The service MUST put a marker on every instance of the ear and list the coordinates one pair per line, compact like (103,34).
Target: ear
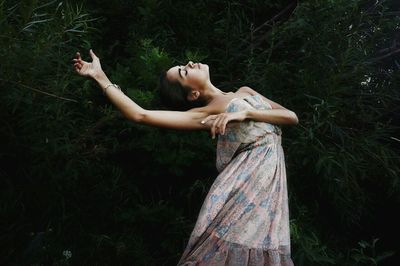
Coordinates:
(193,95)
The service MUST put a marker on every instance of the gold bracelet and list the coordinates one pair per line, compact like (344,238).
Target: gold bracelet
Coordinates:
(115,85)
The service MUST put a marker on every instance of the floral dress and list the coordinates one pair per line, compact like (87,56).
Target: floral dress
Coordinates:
(244,219)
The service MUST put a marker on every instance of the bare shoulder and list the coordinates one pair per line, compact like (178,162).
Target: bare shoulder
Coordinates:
(247,90)
(252,92)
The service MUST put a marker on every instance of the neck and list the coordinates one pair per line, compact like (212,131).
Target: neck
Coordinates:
(210,92)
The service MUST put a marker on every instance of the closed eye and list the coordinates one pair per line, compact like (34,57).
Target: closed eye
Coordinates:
(180,70)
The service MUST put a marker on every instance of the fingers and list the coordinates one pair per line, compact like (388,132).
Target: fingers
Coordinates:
(77,67)
(214,128)
(93,55)
(222,125)
(208,118)
(78,58)
(78,63)
(218,125)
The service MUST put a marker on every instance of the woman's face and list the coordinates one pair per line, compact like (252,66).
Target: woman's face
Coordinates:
(193,75)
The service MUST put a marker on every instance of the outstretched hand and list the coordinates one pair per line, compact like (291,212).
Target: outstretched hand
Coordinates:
(221,120)
(87,69)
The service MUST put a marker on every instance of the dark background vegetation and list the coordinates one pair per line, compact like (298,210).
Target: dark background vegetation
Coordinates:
(82,185)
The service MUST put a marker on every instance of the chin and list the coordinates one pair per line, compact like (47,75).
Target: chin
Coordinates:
(205,68)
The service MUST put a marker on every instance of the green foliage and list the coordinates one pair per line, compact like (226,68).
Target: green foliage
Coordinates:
(81,185)
(307,245)
(148,62)
(366,253)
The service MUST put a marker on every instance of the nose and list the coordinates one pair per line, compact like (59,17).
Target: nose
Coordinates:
(190,63)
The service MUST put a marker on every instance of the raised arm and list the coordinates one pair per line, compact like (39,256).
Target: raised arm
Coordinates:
(160,118)
(168,119)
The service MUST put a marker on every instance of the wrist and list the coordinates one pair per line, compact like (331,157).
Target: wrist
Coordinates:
(102,80)
(99,76)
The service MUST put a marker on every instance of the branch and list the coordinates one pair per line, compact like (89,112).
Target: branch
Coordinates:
(37,90)
(385,56)
(276,16)
(272,20)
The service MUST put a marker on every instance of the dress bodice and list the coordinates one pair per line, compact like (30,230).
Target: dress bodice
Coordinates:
(239,135)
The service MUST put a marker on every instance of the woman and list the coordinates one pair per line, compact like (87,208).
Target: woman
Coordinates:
(244,219)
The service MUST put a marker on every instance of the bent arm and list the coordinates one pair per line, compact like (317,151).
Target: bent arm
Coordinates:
(160,118)
(273,116)
(277,115)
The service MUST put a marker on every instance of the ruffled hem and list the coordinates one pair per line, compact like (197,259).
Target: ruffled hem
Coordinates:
(217,252)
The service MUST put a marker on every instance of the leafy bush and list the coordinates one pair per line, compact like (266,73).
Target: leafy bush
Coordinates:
(81,185)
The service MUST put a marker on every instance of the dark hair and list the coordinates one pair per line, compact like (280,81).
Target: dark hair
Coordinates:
(174,95)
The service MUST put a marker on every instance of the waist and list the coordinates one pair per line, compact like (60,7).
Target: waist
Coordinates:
(267,139)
